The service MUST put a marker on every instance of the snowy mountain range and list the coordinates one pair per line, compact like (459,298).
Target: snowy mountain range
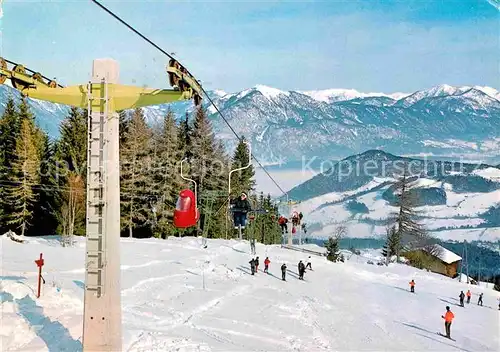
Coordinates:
(331,124)
(456,201)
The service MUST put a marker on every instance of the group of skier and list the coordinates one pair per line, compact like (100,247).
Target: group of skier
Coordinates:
(449,316)
(296,222)
(254,267)
(240,207)
(462,296)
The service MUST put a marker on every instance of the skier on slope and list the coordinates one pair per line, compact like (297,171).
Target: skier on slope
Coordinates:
(480,299)
(266,265)
(448,317)
(283,271)
(252,246)
(252,266)
(461,296)
(469,294)
(256,264)
(308,265)
(412,286)
(302,269)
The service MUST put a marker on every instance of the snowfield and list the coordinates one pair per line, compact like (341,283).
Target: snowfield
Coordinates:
(350,306)
(461,210)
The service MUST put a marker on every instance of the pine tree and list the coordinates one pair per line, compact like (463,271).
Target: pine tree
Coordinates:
(24,175)
(165,175)
(3,184)
(332,249)
(72,208)
(72,145)
(185,141)
(9,132)
(10,126)
(392,244)
(408,228)
(209,167)
(45,212)
(136,182)
(71,165)
(242,181)
(333,244)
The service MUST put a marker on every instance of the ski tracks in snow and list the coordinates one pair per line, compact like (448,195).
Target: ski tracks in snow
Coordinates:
(187,318)
(303,311)
(158,342)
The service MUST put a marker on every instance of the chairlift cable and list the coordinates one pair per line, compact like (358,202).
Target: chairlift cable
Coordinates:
(202,89)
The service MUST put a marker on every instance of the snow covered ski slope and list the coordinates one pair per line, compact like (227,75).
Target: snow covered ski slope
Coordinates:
(350,306)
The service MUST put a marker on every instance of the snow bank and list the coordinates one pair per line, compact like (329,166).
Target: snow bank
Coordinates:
(491,173)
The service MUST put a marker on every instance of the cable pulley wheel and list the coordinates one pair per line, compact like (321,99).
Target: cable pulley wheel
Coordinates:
(19,85)
(38,77)
(3,66)
(52,84)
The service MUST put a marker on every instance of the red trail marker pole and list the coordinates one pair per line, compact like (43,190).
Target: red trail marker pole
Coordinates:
(39,263)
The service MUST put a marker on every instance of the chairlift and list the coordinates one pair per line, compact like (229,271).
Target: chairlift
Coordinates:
(229,184)
(186,212)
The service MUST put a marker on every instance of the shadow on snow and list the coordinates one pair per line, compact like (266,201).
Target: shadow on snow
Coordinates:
(53,333)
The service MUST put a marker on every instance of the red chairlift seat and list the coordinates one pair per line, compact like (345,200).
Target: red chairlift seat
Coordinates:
(186,213)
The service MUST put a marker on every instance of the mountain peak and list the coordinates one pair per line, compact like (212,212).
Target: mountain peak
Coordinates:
(266,91)
(269,92)
(373,154)
(337,94)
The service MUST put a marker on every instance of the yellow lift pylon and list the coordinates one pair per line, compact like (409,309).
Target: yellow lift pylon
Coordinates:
(122,97)
(103,96)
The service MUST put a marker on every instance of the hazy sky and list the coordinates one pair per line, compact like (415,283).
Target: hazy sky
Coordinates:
(367,45)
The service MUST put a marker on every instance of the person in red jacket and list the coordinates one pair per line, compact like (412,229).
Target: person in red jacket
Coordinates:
(282,221)
(266,265)
(412,286)
(448,317)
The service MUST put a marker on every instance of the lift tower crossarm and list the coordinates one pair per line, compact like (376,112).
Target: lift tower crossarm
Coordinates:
(122,97)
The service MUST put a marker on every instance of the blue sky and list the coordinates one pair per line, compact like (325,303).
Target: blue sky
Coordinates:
(367,45)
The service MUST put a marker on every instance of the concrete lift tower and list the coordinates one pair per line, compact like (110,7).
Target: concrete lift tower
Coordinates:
(103,97)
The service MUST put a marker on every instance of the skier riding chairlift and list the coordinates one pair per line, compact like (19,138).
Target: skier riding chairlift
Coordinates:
(241,206)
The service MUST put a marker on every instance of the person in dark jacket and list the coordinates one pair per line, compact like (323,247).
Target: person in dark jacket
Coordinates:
(256,264)
(283,272)
(461,296)
(480,299)
(241,206)
(252,266)
(302,269)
